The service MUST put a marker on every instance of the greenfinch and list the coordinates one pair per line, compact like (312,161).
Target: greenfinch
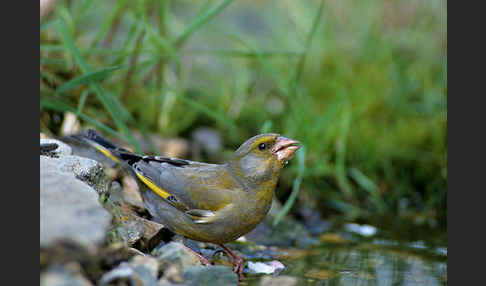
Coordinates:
(214,203)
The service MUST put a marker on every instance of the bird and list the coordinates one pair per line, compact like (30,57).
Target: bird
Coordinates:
(215,203)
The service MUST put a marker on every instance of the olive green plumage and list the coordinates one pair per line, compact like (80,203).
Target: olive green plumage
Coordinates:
(207,202)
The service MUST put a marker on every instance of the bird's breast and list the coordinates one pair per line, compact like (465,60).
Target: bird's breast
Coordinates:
(251,209)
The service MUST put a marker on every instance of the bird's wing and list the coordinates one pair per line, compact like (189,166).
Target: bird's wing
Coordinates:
(199,189)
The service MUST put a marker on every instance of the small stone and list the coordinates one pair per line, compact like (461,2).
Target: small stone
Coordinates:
(175,253)
(133,274)
(131,193)
(149,262)
(272,267)
(70,124)
(132,227)
(278,281)
(173,274)
(140,228)
(364,230)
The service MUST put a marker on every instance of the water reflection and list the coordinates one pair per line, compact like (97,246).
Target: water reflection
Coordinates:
(380,262)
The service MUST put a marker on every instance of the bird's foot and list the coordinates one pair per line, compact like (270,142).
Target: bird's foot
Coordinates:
(239,266)
(237,261)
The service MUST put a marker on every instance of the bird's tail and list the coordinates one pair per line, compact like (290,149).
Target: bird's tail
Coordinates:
(94,139)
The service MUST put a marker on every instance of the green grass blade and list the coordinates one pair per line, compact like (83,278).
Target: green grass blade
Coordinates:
(341,144)
(69,43)
(47,61)
(101,95)
(368,185)
(108,23)
(48,24)
(82,101)
(300,65)
(87,78)
(200,21)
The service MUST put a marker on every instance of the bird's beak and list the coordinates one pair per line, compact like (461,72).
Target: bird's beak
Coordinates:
(284,148)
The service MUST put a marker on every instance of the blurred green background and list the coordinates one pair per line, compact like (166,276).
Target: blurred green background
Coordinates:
(361,83)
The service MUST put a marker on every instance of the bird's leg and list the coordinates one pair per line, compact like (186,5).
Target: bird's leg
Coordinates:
(203,259)
(237,261)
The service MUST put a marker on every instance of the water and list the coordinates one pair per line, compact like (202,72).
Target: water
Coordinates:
(348,260)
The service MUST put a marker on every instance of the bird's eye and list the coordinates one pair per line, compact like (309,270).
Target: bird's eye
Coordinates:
(262,146)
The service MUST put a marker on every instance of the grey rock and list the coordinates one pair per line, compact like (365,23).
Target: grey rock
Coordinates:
(175,253)
(279,281)
(137,228)
(87,170)
(216,275)
(57,275)
(132,273)
(172,276)
(91,172)
(140,270)
(62,149)
(128,233)
(69,208)
(149,262)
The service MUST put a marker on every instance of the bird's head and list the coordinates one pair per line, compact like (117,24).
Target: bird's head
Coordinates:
(262,157)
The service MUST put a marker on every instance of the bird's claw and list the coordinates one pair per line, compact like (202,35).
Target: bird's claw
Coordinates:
(238,268)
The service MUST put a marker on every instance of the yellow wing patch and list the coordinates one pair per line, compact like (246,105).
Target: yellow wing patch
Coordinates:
(106,153)
(161,192)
